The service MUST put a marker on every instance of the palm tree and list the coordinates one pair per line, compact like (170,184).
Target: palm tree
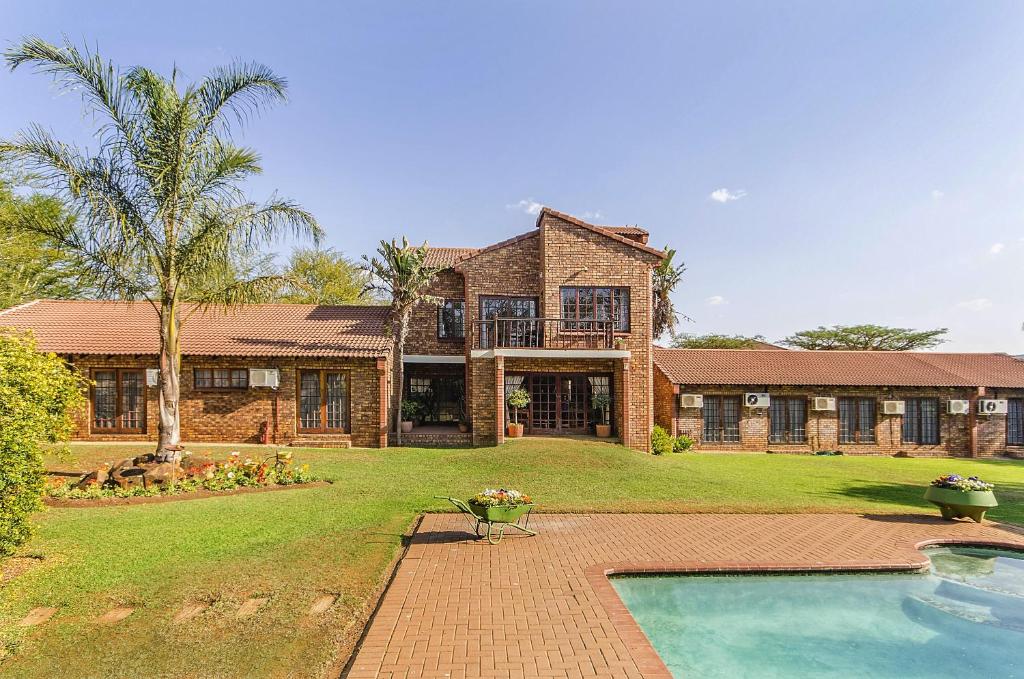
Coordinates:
(159,205)
(402,274)
(665,279)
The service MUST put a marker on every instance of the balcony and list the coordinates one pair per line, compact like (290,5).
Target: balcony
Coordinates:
(543,333)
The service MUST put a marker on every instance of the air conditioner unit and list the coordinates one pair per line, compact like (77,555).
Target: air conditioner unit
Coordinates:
(691,401)
(757,400)
(264,377)
(152,377)
(823,403)
(893,407)
(992,406)
(958,407)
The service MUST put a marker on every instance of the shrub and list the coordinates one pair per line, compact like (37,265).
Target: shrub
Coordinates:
(410,410)
(661,441)
(38,394)
(682,444)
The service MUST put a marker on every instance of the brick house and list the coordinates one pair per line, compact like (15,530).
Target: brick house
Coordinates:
(869,402)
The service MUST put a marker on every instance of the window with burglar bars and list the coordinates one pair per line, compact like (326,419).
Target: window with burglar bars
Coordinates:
(596,304)
(722,419)
(451,319)
(921,421)
(856,420)
(1015,422)
(220,378)
(119,401)
(788,420)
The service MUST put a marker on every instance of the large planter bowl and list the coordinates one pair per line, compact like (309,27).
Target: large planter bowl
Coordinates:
(603,431)
(515,430)
(960,504)
(502,513)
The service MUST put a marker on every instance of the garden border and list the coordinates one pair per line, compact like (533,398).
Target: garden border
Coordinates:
(201,494)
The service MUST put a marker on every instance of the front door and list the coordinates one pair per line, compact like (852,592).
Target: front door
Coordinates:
(559,403)
(573,396)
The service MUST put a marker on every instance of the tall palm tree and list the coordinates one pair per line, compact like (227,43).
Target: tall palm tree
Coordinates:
(664,280)
(401,273)
(159,204)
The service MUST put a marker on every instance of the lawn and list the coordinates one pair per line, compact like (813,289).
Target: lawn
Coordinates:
(294,545)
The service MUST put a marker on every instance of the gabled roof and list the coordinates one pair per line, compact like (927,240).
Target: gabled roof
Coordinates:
(838,368)
(501,244)
(608,231)
(104,327)
(446,258)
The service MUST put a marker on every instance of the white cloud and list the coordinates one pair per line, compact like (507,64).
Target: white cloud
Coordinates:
(596,214)
(527,205)
(996,248)
(724,195)
(936,194)
(979,304)
(716,300)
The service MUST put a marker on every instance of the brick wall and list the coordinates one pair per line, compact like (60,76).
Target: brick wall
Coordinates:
(822,426)
(235,416)
(422,337)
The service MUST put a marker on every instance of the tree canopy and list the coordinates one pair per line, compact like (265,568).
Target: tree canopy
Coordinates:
(865,338)
(325,276)
(716,341)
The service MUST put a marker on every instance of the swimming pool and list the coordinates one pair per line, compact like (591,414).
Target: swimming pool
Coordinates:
(964,618)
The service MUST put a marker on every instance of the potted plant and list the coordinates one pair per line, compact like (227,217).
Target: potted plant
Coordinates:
(516,400)
(500,504)
(958,497)
(463,420)
(600,403)
(619,343)
(410,411)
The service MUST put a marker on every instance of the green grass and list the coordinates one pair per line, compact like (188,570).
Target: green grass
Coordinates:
(294,545)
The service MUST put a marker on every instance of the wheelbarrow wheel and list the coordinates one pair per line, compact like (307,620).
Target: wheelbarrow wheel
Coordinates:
(494,535)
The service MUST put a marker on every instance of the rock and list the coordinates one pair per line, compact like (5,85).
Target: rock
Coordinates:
(129,477)
(142,459)
(322,604)
(162,473)
(127,462)
(115,615)
(37,616)
(98,478)
(189,611)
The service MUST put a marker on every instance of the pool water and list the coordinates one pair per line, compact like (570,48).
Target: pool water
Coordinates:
(965,618)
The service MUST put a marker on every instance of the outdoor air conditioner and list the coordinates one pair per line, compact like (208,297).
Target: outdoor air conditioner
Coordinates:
(691,401)
(893,407)
(757,400)
(264,377)
(959,406)
(152,377)
(992,406)
(823,403)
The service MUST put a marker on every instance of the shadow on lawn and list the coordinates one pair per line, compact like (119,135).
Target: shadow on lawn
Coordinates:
(1009,496)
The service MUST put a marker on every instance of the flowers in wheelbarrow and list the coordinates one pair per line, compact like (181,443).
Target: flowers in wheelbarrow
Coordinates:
(957,482)
(500,497)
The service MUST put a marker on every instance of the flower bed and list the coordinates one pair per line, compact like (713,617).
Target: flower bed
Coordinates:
(961,483)
(233,473)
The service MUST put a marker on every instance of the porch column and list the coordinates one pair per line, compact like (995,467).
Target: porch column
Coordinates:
(499,399)
(624,381)
(383,402)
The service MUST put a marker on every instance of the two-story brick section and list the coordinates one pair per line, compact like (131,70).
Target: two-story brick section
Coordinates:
(562,311)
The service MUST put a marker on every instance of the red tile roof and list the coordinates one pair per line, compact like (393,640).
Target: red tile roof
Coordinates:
(446,258)
(101,327)
(839,368)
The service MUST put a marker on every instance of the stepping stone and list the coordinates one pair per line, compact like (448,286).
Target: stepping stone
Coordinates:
(189,611)
(37,616)
(115,615)
(322,603)
(250,606)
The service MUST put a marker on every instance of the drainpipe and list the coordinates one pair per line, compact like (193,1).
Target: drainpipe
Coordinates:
(972,421)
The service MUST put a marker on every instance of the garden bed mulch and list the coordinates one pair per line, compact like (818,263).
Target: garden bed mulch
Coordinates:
(194,495)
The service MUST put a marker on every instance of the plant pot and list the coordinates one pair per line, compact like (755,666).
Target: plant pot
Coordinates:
(406,426)
(463,427)
(960,504)
(515,430)
(603,430)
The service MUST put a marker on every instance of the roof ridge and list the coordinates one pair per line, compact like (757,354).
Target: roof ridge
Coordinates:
(603,230)
(23,305)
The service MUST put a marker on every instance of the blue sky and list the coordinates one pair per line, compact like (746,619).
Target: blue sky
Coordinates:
(867,157)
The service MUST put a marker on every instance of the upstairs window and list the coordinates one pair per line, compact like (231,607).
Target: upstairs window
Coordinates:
(856,420)
(220,378)
(921,421)
(721,419)
(1015,422)
(451,319)
(596,304)
(788,420)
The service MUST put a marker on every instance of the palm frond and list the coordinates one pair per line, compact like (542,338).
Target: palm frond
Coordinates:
(241,89)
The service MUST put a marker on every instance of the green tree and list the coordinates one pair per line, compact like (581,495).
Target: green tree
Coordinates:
(664,279)
(30,267)
(865,338)
(326,276)
(713,341)
(38,395)
(401,273)
(160,202)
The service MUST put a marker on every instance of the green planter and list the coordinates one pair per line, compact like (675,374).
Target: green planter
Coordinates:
(959,504)
(502,514)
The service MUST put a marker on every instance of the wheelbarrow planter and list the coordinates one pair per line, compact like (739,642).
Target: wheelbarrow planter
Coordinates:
(490,522)
(959,504)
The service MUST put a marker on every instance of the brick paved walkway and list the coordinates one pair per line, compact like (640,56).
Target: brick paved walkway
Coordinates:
(542,606)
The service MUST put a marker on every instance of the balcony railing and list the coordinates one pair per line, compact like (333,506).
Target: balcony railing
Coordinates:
(543,333)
